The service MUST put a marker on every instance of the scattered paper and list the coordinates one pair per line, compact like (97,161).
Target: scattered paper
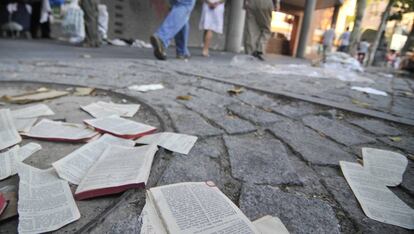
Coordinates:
(104,109)
(180,143)
(184,97)
(32,111)
(369,90)
(8,132)
(83,91)
(24,125)
(10,158)
(35,96)
(385,165)
(60,131)
(270,225)
(45,201)
(151,223)
(75,165)
(369,184)
(145,88)
(120,127)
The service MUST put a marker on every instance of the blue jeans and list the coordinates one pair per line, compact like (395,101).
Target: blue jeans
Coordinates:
(176,25)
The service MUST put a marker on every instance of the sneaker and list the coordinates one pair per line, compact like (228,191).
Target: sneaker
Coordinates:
(159,51)
(181,56)
(258,55)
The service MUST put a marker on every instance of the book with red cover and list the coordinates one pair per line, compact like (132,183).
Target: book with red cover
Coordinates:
(3,203)
(118,169)
(120,127)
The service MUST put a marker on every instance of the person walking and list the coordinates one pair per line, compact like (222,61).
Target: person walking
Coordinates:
(91,14)
(343,47)
(327,41)
(211,20)
(363,48)
(176,26)
(258,19)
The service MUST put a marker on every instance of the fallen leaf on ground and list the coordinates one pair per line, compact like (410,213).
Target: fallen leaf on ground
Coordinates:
(83,91)
(360,104)
(184,97)
(235,91)
(395,139)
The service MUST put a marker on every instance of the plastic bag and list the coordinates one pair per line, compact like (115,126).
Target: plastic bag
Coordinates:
(73,24)
(103,20)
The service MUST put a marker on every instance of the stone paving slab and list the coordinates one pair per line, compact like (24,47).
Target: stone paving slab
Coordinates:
(253,114)
(298,213)
(405,143)
(337,130)
(376,127)
(260,161)
(312,146)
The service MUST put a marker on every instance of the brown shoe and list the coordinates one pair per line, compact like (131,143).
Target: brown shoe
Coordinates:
(159,51)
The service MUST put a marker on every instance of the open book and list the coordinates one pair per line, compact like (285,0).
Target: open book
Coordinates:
(118,169)
(193,207)
(120,127)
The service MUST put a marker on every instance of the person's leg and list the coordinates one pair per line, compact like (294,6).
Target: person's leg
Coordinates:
(90,9)
(181,41)
(263,16)
(45,28)
(251,32)
(175,20)
(35,19)
(208,35)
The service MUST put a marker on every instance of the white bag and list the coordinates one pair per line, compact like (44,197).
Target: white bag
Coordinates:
(73,24)
(103,20)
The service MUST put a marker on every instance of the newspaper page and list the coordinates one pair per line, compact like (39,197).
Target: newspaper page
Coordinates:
(120,126)
(119,166)
(32,111)
(151,223)
(45,201)
(55,130)
(105,109)
(385,165)
(198,208)
(35,96)
(24,125)
(75,165)
(9,159)
(270,225)
(8,132)
(377,201)
(180,143)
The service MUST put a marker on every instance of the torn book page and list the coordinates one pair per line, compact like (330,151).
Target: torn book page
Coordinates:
(35,96)
(145,88)
(377,201)
(75,165)
(24,125)
(45,201)
(180,143)
(60,131)
(120,127)
(8,132)
(385,165)
(10,158)
(270,225)
(369,90)
(105,109)
(151,223)
(32,111)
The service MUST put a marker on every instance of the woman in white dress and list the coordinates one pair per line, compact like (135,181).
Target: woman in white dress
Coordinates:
(211,21)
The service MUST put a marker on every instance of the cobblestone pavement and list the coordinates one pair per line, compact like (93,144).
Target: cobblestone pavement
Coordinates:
(272,155)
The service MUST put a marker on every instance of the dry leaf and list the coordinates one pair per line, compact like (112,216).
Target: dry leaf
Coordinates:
(235,91)
(82,91)
(184,97)
(395,139)
(360,104)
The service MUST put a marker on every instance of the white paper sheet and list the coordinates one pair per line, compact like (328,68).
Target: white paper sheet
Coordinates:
(119,126)
(24,125)
(32,111)
(10,158)
(151,223)
(45,201)
(75,165)
(385,165)
(180,143)
(104,109)
(377,201)
(54,130)
(270,225)
(146,88)
(8,132)
(369,90)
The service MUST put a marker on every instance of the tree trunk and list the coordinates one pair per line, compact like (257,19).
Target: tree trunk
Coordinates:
(380,31)
(410,41)
(356,31)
